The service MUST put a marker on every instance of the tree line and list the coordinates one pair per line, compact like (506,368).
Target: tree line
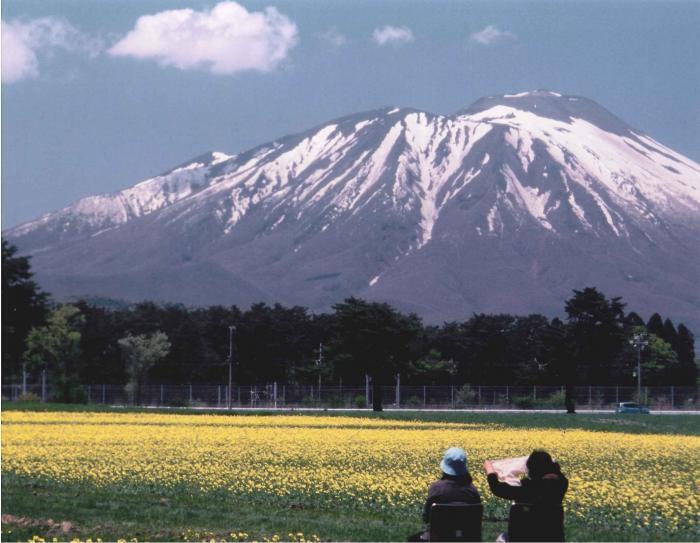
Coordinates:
(84,343)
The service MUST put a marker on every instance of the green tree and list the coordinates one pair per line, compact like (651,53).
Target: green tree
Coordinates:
(55,347)
(275,344)
(24,306)
(488,355)
(534,349)
(660,365)
(142,352)
(102,361)
(656,325)
(596,337)
(632,320)
(375,339)
(431,369)
(685,347)
(670,333)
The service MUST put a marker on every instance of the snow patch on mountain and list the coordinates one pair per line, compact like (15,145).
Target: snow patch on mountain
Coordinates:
(370,173)
(418,163)
(530,199)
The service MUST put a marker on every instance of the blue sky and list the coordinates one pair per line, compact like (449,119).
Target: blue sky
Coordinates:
(92,103)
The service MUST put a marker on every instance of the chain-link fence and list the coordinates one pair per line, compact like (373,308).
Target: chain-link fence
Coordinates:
(275,395)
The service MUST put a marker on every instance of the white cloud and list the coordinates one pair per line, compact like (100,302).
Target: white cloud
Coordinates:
(394,35)
(333,38)
(224,40)
(491,34)
(18,58)
(24,41)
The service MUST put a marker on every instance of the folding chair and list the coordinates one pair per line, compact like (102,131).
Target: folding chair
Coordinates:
(535,522)
(455,522)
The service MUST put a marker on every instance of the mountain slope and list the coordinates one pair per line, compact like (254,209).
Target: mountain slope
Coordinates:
(504,206)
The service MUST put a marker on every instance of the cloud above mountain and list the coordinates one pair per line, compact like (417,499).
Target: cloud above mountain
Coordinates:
(490,35)
(25,42)
(226,39)
(392,35)
(334,38)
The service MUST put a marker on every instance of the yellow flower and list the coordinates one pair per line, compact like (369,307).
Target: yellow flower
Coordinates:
(386,465)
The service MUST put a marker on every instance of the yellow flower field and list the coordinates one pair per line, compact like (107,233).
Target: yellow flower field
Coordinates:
(348,463)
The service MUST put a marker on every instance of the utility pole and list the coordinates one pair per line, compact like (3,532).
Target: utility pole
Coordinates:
(231,329)
(398,390)
(319,365)
(367,389)
(639,341)
(43,385)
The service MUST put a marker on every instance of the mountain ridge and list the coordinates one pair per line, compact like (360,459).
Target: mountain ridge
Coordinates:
(360,204)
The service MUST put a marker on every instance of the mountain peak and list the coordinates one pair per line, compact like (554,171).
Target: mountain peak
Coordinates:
(546,103)
(537,92)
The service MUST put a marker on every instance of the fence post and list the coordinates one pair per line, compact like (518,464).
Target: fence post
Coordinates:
(366,390)
(24,380)
(190,392)
(507,394)
(673,404)
(398,393)
(479,396)
(43,385)
(590,402)
(104,394)
(534,393)
(284,395)
(452,396)
(617,396)
(162,395)
(274,393)
(423,396)
(218,395)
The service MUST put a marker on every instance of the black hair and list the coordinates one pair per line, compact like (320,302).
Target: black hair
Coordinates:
(540,463)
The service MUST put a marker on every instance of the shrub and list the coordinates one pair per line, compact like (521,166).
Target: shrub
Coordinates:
(465,395)
(360,401)
(309,401)
(414,401)
(555,401)
(29,397)
(336,400)
(523,402)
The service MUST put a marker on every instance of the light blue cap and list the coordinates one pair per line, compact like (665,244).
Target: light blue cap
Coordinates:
(454,462)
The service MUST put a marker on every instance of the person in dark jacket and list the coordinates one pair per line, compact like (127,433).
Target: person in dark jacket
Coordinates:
(455,486)
(542,492)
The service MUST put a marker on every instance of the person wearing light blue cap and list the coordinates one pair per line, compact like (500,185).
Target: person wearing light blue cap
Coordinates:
(455,486)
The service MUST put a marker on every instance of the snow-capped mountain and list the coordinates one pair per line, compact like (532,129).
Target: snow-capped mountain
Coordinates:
(504,206)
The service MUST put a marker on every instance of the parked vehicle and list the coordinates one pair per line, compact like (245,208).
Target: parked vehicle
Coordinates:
(631,407)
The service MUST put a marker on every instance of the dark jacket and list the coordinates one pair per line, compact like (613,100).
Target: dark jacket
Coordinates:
(451,489)
(544,521)
(549,489)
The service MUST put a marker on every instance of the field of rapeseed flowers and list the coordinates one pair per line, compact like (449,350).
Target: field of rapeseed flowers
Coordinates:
(619,483)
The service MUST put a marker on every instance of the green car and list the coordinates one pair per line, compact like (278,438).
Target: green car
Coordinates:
(631,407)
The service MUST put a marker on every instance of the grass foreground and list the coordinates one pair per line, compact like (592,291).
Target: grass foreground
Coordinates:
(85,473)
